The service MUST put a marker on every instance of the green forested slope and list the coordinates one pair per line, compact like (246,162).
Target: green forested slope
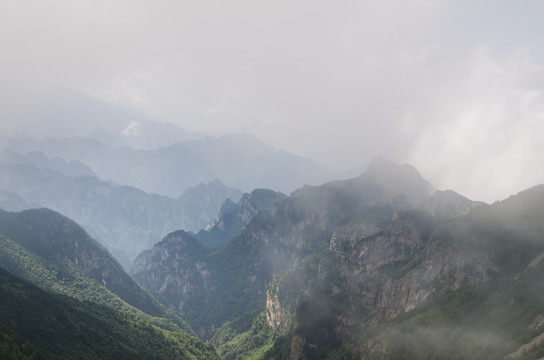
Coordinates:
(67,328)
(55,253)
(87,307)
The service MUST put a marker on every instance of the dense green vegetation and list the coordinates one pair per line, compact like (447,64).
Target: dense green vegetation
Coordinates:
(13,348)
(53,252)
(71,329)
(97,311)
(232,342)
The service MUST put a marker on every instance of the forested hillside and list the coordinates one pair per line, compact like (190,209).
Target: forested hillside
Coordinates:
(60,327)
(87,307)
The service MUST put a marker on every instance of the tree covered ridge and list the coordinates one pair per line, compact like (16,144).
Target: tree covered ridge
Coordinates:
(71,329)
(96,302)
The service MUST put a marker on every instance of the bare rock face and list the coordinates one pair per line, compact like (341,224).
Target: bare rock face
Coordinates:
(344,239)
(164,270)
(275,314)
(441,268)
(387,269)
(395,243)
(400,269)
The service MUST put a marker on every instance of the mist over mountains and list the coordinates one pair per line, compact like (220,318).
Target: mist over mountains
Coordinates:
(125,219)
(129,147)
(238,250)
(351,269)
(239,161)
(64,112)
(271,180)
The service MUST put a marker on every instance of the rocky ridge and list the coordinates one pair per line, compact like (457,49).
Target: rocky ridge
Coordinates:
(234,217)
(331,266)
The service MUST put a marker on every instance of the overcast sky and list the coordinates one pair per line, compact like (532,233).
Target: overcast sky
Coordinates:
(452,87)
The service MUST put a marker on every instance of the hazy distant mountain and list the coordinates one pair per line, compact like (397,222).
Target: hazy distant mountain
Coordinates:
(73,168)
(62,112)
(104,312)
(127,220)
(239,161)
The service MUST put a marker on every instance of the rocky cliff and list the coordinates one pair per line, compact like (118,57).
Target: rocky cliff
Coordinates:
(337,270)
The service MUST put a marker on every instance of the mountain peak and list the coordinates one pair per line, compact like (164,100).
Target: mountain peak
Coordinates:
(380,167)
(383,170)
(397,180)
(183,242)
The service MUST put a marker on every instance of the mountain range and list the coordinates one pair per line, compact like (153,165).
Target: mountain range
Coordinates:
(239,161)
(380,266)
(224,265)
(125,219)
(130,147)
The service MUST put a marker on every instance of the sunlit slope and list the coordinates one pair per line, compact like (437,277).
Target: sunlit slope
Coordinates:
(66,328)
(56,254)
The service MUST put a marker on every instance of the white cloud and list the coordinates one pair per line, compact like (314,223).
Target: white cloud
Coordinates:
(131,129)
(479,128)
(339,81)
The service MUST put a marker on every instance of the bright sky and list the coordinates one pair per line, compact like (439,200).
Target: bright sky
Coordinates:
(452,87)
